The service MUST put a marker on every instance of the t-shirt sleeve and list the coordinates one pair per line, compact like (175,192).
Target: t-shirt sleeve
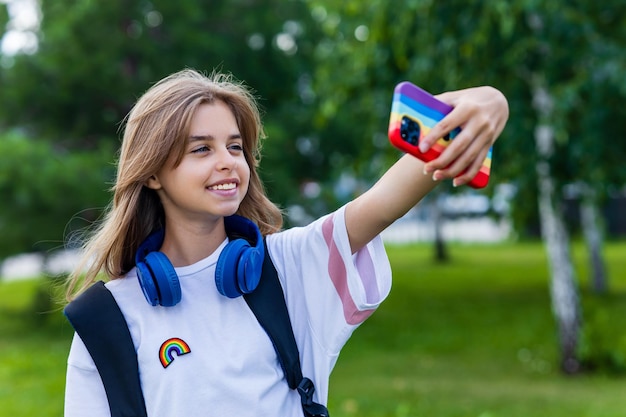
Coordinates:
(84,391)
(328,289)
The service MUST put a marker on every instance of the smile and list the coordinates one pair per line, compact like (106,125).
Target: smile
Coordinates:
(227,186)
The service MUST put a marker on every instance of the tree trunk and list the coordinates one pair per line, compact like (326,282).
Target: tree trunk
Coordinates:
(563,289)
(441,253)
(590,224)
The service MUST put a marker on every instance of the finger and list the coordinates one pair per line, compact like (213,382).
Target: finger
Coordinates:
(453,151)
(471,171)
(479,129)
(459,166)
(467,162)
(479,146)
(446,125)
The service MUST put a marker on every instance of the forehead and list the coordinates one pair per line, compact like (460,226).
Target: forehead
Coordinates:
(212,119)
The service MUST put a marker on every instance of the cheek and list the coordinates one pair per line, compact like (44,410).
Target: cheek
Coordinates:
(244,170)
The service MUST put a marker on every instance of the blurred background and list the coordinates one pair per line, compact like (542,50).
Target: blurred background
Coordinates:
(507,300)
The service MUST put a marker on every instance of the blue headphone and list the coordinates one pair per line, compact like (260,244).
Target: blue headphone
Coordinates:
(238,269)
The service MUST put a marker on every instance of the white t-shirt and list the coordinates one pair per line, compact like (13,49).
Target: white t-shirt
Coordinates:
(208,355)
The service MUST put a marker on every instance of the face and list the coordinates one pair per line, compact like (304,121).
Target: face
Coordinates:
(212,179)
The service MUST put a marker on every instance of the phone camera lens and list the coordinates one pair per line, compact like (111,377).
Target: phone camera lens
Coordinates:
(409,130)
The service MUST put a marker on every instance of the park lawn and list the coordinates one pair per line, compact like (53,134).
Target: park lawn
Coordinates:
(473,337)
(34,343)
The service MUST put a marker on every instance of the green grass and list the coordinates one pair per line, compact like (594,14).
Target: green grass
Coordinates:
(474,337)
(34,343)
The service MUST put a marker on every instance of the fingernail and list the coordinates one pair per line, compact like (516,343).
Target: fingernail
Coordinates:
(454,183)
(423,147)
(436,176)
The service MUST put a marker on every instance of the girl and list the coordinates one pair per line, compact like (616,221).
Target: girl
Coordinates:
(188,161)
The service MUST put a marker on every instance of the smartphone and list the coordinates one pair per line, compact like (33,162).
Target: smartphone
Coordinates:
(413,113)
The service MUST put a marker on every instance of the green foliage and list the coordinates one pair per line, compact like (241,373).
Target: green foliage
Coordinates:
(324,71)
(577,48)
(4,17)
(48,192)
(95,59)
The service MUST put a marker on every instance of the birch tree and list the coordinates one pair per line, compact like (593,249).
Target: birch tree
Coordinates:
(590,222)
(563,287)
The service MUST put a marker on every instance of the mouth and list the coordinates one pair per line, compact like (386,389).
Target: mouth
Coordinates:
(224,186)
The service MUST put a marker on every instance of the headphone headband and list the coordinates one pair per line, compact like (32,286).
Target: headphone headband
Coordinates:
(239,227)
(237,272)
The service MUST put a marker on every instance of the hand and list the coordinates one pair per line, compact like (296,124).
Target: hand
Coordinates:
(481,112)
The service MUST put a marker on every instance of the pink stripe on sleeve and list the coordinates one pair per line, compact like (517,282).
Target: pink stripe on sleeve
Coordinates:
(367,272)
(339,277)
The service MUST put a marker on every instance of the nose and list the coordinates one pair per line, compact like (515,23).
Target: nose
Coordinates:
(226,160)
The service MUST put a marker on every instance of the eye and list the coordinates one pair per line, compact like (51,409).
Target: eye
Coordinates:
(200,149)
(237,147)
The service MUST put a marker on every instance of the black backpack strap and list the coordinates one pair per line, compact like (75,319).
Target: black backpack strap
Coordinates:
(267,302)
(97,319)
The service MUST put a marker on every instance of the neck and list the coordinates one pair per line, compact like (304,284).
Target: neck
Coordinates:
(186,244)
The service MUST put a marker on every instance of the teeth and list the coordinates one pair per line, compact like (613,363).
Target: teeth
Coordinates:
(228,186)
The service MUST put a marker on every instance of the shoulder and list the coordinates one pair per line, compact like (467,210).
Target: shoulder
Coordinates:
(326,236)
(319,255)
(126,289)
(313,235)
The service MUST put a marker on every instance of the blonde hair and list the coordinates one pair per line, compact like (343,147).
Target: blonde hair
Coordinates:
(157,128)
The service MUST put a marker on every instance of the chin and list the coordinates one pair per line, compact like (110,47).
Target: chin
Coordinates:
(229,211)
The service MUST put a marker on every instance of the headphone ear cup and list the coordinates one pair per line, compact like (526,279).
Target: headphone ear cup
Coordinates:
(227,268)
(147,284)
(240,264)
(156,274)
(249,269)
(165,278)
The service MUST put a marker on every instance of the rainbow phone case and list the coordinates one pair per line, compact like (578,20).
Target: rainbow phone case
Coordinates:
(413,113)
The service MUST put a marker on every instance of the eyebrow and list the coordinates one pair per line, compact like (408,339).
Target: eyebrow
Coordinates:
(194,138)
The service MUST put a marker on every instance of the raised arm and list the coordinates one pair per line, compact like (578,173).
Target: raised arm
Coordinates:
(481,112)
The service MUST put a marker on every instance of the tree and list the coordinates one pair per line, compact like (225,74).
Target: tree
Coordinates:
(546,53)
(564,290)
(94,59)
(4,17)
(48,193)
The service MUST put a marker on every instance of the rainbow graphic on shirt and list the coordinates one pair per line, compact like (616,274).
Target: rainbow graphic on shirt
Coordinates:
(171,348)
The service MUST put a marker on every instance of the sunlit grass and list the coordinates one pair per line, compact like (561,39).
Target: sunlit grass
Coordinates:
(472,337)
(34,343)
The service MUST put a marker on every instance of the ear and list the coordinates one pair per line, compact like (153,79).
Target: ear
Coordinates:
(153,183)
